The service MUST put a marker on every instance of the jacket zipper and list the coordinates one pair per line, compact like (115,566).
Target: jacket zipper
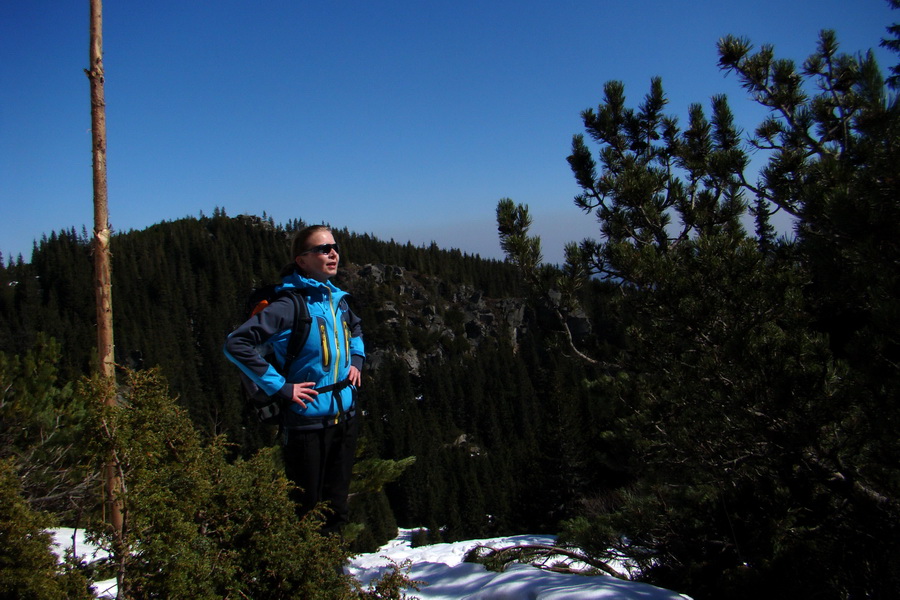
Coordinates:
(337,357)
(346,343)
(337,340)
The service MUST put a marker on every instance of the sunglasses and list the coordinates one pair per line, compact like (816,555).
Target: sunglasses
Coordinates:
(322,249)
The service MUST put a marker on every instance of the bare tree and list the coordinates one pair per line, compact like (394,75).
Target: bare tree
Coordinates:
(102,270)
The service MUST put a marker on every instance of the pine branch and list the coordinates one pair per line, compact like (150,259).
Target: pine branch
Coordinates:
(540,554)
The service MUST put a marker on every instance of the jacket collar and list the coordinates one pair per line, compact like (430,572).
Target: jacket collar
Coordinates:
(298,281)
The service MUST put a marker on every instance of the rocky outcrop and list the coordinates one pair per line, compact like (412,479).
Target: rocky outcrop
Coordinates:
(436,317)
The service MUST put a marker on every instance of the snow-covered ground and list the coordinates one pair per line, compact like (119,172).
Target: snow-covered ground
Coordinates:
(447,577)
(65,538)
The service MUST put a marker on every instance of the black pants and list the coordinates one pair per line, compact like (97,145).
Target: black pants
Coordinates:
(320,463)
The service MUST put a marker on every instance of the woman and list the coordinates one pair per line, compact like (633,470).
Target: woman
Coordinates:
(319,422)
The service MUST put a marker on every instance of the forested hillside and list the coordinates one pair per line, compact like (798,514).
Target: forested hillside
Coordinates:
(457,375)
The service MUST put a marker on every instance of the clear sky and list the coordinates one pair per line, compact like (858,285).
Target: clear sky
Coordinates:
(407,120)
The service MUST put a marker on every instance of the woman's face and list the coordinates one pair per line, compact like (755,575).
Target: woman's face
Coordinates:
(313,263)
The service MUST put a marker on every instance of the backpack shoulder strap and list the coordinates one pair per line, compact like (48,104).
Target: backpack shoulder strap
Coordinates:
(300,330)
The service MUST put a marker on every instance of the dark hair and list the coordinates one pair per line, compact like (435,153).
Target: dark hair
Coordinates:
(299,246)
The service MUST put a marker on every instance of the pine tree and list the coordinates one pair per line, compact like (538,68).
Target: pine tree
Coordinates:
(28,567)
(41,431)
(759,377)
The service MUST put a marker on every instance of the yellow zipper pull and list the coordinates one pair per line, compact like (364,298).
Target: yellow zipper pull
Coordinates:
(326,350)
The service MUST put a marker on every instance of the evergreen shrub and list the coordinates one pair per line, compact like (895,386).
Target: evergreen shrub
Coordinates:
(28,567)
(198,526)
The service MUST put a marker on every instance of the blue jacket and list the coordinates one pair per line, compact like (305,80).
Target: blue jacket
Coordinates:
(334,344)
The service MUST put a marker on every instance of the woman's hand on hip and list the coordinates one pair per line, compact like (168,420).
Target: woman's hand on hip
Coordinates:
(355,376)
(304,392)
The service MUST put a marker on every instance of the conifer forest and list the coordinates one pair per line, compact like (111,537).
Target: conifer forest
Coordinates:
(693,392)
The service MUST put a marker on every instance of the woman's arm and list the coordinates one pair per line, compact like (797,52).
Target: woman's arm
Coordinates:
(242,344)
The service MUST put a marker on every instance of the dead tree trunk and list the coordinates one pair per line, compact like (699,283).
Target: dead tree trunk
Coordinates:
(100,248)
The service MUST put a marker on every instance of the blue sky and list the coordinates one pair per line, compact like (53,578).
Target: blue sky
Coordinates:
(406,120)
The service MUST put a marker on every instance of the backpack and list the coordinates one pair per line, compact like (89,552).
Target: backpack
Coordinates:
(267,408)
